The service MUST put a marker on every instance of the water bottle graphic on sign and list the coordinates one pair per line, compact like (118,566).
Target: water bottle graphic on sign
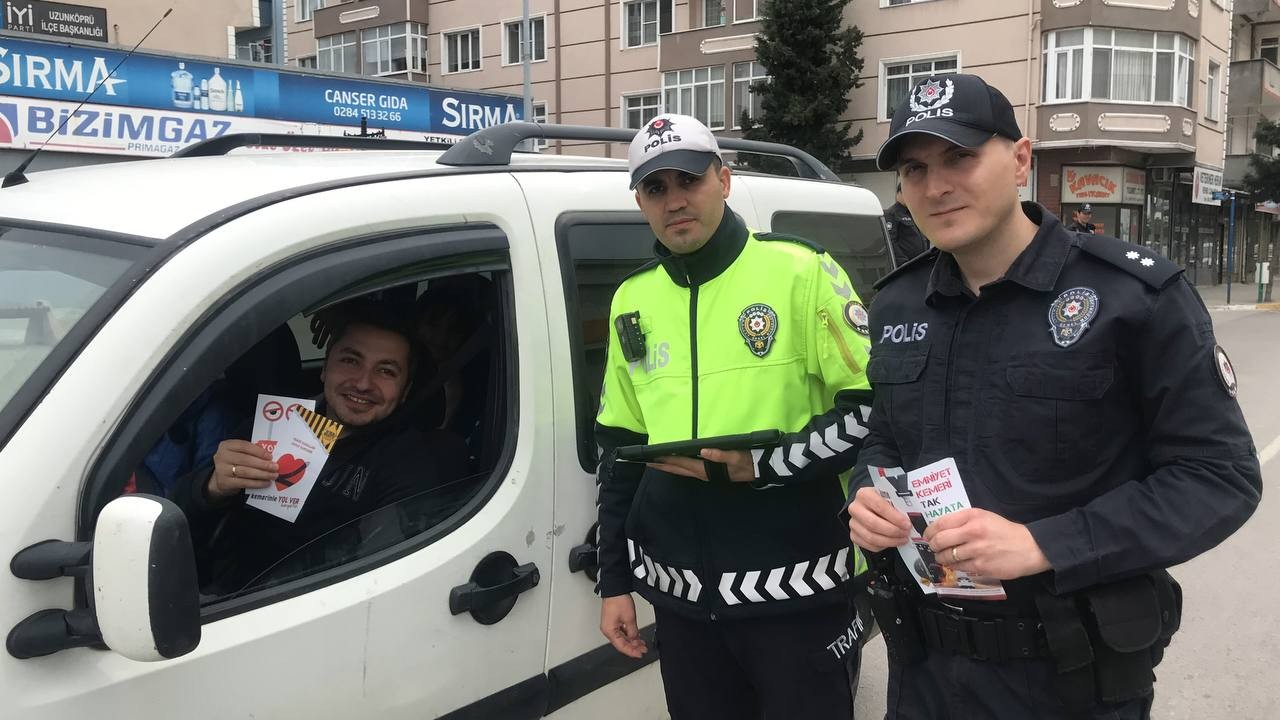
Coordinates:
(217,91)
(181,83)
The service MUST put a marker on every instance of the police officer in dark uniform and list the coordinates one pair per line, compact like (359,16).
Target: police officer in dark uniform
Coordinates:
(1080,218)
(1076,382)
(904,237)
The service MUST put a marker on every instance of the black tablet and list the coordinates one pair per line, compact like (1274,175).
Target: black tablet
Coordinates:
(690,448)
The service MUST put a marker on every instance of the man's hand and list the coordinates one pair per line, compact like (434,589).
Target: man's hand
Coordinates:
(985,544)
(618,624)
(738,463)
(240,465)
(875,524)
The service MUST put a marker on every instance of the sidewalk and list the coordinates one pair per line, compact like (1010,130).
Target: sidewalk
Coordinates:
(1243,297)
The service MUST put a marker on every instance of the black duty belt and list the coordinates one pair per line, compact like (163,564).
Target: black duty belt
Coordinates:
(997,639)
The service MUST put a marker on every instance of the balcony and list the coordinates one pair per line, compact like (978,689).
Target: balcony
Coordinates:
(715,45)
(1255,88)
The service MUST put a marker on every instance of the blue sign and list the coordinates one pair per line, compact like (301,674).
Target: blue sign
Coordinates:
(56,71)
(1221,195)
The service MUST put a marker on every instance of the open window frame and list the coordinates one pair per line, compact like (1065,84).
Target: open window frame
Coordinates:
(305,282)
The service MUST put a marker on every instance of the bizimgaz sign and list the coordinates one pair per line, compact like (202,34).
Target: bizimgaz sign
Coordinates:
(57,19)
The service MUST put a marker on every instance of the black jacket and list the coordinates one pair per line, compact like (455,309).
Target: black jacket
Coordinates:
(1082,227)
(904,236)
(370,467)
(1115,438)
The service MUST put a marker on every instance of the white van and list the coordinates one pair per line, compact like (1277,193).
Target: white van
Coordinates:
(128,291)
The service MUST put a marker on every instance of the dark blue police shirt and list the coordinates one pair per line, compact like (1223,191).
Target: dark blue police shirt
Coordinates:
(1123,451)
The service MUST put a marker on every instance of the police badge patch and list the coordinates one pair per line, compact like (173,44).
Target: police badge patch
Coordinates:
(855,313)
(1071,313)
(758,324)
(1226,373)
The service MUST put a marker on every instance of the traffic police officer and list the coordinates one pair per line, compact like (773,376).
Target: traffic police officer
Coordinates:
(1076,382)
(740,551)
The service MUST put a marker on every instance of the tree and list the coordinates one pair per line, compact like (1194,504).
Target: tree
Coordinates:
(812,62)
(1263,178)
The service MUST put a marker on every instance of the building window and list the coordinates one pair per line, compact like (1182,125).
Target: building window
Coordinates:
(1064,64)
(385,49)
(698,92)
(712,13)
(307,9)
(511,41)
(755,12)
(1212,101)
(643,20)
(462,51)
(1135,66)
(744,74)
(418,55)
(255,51)
(540,116)
(1269,49)
(308,62)
(638,110)
(902,75)
(337,52)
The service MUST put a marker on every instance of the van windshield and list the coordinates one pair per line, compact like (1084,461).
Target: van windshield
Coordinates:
(48,280)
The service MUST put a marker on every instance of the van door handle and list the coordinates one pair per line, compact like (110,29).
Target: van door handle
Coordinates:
(586,557)
(495,585)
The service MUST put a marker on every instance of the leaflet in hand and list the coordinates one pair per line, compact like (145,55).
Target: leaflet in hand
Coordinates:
(924,495)
(281,426)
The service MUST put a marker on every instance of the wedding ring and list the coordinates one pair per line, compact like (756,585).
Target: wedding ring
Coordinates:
(955,558)
(233,474)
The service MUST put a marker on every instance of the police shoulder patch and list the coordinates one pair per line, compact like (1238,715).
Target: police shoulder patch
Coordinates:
(1137,260)
(1226,373)
(856,315)
(772,237)
(925,258)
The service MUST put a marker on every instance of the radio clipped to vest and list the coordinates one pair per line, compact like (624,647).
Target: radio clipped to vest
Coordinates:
(630,336)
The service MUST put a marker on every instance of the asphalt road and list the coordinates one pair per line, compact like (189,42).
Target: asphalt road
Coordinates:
(1222,662)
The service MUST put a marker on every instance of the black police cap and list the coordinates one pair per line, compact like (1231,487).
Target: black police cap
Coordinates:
(962,109)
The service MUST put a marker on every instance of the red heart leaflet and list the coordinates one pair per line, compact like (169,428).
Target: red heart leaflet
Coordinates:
(291,469)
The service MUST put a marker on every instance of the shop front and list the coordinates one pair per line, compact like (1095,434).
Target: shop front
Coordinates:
(154,105)
(1116,193)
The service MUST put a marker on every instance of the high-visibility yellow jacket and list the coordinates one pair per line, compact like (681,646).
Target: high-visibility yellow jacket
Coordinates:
(752,332)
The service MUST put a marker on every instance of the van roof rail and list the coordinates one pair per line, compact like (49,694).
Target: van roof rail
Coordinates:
(224,144)
(493,145)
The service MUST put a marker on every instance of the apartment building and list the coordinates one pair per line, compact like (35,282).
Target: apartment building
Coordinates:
(1123,99)
(215,28)
(1254,94)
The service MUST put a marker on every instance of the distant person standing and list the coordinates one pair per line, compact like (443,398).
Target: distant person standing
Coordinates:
(1080,220)
(904,236)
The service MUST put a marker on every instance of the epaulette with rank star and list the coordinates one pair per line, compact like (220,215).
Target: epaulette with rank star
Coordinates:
(1149,267)
(772,236)
(926,257)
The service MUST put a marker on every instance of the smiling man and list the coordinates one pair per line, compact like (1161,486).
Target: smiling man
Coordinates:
(369,367)
(1075,380)
(727,332)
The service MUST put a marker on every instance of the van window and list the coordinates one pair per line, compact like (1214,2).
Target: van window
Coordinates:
(597,251)
(419,371)
(857,242)
(48,280)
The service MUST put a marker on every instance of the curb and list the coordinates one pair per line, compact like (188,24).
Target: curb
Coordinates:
(1234,307)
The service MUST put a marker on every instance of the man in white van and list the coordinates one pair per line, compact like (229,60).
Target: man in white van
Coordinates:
(729,332)
(378,459)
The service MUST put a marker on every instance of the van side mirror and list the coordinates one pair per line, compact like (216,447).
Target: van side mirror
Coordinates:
(145,603)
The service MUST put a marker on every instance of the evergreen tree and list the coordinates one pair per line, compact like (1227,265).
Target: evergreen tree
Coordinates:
(1263,179)
(812,63)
